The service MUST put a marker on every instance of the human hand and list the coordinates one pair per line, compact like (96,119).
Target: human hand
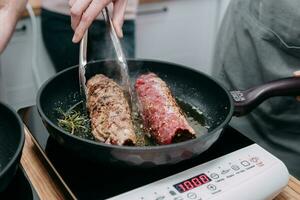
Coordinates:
(83,12)
(10,10)
(297,73)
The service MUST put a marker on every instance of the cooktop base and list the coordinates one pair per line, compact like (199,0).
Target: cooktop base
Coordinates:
(89,180)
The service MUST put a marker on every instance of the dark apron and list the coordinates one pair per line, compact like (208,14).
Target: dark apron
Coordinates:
(259,41)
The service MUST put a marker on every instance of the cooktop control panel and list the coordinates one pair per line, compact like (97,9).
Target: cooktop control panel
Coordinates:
(248,173)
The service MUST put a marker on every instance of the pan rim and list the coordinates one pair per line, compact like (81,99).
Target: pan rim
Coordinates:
(22,139)
(135,148)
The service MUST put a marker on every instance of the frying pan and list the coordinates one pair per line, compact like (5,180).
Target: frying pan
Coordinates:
(11,144)
(195,88)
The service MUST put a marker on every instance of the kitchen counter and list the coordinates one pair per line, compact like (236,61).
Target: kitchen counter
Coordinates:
(42,175)
(150,1)
(291,192)
(36,6)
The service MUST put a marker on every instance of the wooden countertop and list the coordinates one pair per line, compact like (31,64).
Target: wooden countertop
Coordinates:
(36,6)
(49,185)
(44,178)
(291,192)
(150,1)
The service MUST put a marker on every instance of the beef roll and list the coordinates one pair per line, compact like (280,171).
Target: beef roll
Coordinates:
(109,112)
(161,115)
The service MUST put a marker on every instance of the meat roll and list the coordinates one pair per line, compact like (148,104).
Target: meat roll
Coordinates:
(160,112)
(109,112)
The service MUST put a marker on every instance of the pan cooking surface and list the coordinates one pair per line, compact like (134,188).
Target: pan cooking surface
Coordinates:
(192,88)
(194,116)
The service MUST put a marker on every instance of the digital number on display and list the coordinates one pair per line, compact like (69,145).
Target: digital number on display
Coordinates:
(192,183)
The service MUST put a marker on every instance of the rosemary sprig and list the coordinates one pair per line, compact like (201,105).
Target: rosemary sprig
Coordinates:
(74,122)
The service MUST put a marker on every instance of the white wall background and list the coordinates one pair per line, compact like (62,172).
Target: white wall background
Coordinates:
(185,33)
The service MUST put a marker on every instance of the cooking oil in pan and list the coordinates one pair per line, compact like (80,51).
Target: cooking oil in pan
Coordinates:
(195,117)
(75,115)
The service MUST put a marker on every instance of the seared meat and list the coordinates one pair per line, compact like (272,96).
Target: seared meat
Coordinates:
(160,112)
(109,112)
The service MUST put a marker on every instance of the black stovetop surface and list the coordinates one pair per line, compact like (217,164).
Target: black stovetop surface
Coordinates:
(89,180)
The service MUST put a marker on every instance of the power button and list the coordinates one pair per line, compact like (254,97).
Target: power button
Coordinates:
(191,195)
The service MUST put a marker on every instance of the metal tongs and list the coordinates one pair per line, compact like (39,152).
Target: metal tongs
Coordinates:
(121,60)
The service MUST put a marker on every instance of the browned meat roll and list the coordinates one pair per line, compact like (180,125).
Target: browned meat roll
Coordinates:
(160,112)
(109,112)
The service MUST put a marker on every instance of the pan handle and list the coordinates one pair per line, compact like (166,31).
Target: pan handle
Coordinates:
(245,101)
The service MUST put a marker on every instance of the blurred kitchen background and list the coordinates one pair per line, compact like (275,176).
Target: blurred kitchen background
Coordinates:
(181,31)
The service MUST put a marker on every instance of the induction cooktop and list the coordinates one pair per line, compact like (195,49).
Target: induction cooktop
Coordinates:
(89,180)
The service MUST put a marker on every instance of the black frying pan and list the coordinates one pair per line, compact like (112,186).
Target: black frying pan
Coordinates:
(194,87)
(11,144)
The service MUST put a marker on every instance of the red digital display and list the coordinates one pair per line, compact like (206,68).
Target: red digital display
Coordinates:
(192,183)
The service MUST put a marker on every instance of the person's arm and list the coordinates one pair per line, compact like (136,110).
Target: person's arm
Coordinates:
(10,11)
(297,73)
(83,13)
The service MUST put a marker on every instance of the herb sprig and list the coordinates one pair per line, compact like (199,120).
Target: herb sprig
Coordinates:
(75,123)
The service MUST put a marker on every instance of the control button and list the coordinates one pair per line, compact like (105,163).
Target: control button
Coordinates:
(214,176)
(245,163)
(225,171)
(254,159)
(172,193)
(235,167)
(211,187)
(160,198)
(192,195)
